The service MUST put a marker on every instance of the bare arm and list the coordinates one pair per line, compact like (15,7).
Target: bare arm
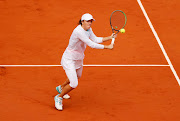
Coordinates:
(109,37)
(109,46)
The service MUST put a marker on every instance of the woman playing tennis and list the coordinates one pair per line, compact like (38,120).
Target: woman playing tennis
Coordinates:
(72,59)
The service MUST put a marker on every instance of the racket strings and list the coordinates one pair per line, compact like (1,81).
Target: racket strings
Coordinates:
(117,20)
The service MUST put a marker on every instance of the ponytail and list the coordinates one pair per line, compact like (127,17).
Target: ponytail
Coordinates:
(80,22)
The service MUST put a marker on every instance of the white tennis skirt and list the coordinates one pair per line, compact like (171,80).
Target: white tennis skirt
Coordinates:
(71,64)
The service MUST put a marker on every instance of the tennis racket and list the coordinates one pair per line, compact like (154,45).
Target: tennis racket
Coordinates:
(118,21)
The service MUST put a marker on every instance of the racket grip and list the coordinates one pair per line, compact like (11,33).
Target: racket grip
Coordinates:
(113,39)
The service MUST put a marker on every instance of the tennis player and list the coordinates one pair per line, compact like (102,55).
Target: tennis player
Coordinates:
(72,59)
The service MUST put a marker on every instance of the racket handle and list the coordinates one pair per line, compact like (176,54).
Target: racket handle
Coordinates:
(113,39)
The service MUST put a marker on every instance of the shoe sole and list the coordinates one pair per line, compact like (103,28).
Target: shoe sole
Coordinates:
(59,109)
(57,89)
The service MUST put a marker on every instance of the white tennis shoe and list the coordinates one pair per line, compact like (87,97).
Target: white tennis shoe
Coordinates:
(66,96)
(58,102)
(59,90)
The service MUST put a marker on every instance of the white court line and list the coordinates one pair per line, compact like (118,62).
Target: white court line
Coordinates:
(83,65)
(159,42)
(124,65)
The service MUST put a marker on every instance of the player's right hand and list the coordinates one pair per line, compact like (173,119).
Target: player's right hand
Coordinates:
(113,35)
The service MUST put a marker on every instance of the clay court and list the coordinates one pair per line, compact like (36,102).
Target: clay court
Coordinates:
(36,32)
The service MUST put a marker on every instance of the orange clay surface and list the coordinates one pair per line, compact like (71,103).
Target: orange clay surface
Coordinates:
(36,32)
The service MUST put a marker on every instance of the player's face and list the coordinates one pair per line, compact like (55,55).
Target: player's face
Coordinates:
(87,24)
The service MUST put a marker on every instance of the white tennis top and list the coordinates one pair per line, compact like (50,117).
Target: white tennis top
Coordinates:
(78,41)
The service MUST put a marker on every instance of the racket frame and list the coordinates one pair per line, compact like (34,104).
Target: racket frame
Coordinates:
(117,31)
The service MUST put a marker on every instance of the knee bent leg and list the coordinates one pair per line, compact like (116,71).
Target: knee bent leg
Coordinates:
(74,84)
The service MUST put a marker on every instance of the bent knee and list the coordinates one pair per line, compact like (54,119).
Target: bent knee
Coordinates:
(74,84)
